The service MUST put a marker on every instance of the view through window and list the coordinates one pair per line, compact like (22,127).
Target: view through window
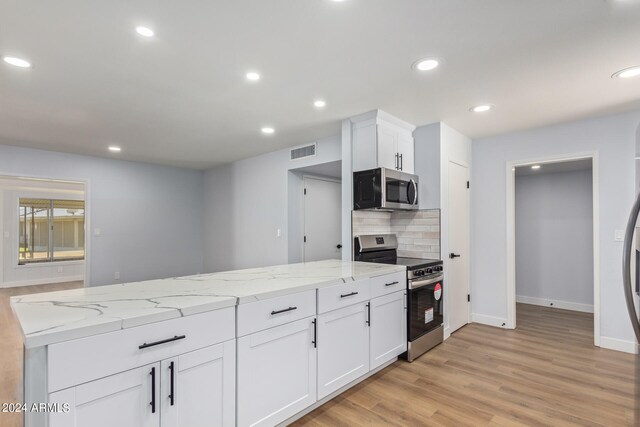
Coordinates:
(50,230)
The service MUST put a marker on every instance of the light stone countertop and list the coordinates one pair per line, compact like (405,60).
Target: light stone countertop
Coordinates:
(54,317)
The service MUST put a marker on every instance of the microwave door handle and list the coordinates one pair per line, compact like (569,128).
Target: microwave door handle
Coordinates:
(415,192)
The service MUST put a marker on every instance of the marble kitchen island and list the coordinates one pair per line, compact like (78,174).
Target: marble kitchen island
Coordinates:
(166,352)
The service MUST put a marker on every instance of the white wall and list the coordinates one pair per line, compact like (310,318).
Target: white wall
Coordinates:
(613,138)
(12,274)
(245,204)
(150,216)
(427,141)
(554,239)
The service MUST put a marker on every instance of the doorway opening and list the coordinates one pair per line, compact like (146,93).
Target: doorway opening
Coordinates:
(553,243)
(43,233)
(315,212)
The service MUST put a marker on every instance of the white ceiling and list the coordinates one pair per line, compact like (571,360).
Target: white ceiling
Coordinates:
(181,98)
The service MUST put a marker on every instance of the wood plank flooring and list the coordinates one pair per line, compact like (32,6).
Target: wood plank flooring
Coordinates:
(11,348)
(545,373)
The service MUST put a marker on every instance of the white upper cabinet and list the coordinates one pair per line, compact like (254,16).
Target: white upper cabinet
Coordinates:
(382,141)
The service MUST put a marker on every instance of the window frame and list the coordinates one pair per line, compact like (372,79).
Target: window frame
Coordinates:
(51,259)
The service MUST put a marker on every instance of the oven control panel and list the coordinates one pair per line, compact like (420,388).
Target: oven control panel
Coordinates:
(425,272)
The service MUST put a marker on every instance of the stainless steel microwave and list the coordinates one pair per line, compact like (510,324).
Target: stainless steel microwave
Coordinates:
(385,189)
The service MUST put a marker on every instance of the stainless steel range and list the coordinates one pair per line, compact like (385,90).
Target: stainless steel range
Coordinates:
(425,281)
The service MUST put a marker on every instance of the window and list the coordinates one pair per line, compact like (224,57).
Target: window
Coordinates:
(50,230)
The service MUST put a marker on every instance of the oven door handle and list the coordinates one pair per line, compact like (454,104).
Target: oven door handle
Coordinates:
(415,284)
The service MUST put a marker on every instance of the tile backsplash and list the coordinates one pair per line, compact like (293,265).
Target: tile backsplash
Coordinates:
(418,232)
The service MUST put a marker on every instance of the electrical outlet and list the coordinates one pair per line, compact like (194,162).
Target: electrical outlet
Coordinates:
(97,232)
(278,233)
(6,235)
(116,275)
(618,236)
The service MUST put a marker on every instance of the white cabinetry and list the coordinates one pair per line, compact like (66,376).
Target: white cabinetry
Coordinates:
(198,388)
(122,400)
(381,140)
(388,328)
(179,388)
(343,347)
(276,373)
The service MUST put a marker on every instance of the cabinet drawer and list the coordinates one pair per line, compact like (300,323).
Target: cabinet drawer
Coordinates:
(78,361)
(261,315)
(389,283)
(343,295)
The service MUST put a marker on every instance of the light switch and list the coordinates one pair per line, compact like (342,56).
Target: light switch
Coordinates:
(278,233)
(619,236)
(96,232)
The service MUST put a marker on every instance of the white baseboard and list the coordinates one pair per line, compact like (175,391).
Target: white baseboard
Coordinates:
(34,282)
(489,320)
(618,345)
(565,305)
(447,333)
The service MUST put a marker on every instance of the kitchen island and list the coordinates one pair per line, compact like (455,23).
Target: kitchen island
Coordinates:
(250,347)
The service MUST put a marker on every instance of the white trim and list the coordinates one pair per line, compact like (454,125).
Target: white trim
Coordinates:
(511,257)
(619,345)
(42,281)
(565,305)
(483,319)
(447,333)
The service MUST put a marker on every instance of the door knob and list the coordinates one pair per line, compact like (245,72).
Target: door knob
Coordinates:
(339,246)
(452,255)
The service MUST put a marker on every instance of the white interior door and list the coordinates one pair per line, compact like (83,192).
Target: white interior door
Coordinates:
(322,219)
(457,271)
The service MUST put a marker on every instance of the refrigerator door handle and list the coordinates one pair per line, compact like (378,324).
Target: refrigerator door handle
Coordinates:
(626,267)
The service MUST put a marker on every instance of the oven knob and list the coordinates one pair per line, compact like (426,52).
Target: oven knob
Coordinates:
(429,270)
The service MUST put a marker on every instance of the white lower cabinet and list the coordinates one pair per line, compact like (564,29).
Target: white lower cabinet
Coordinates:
(388,328)
(343,347)
(190,390)
(276,373)
(126,399)
(198,388)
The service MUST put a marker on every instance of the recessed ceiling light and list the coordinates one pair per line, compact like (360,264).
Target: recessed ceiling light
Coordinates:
(268,130)
(536,167)
(18,62)
(319,103)
(481,108)
(145,31)
(426,64)
(115,149)
(627,72)
(253,76)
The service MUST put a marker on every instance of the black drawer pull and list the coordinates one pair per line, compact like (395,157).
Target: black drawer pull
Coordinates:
(349,295)
(391,284)
(283,311)
(176,338)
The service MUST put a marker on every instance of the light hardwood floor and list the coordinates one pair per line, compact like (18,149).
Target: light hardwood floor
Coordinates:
(546,372)
(11,348)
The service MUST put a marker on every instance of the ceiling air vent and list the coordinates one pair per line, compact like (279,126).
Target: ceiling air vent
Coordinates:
(302,152)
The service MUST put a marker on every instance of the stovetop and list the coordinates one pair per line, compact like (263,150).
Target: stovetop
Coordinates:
(417,263)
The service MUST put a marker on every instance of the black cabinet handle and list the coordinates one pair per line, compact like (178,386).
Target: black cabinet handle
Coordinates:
(172,391)
(391,284)
(153,390)
(452,255)
(349,295)
(315,333)
(283,311)
(369,314)
(176,338)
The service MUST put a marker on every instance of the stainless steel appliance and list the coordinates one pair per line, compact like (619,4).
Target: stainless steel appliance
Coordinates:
(385,189)
(425,282)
